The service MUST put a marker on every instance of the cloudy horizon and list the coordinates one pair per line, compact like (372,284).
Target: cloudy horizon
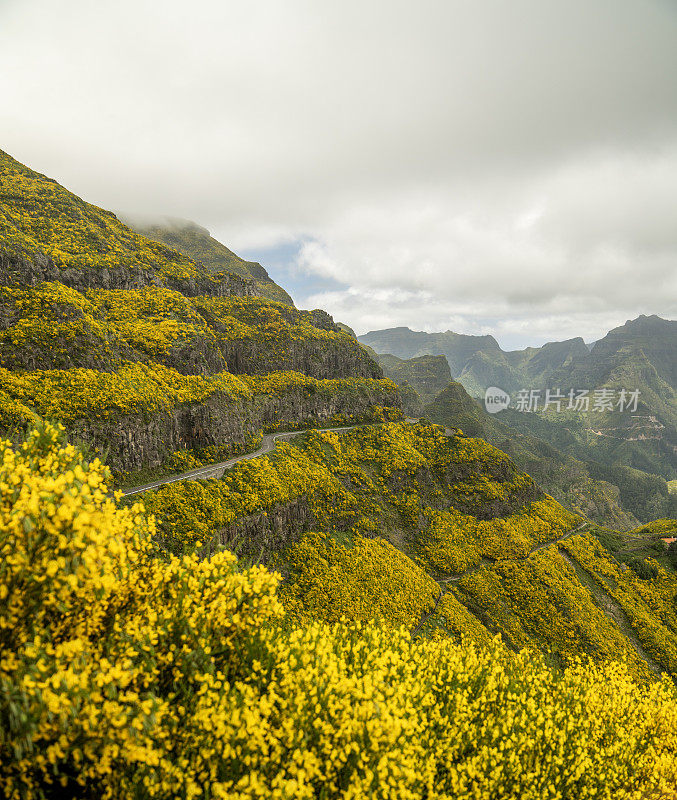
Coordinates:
(488,167)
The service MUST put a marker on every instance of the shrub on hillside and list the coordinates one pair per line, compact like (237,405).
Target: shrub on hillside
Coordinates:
(126,675)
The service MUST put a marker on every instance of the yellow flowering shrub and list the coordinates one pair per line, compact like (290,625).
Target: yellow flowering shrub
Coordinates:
(138,388)
(452,619)
(14,416)
(150,320)
(659,527)
(50,325)
(371,480)
(649,604)
(539,602)
(370,579)
(53,325)
(452,541)
(123,674)
(192,511)
(101,643)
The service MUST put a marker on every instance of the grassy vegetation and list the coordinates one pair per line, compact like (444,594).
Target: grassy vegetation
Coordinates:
(636,356)
(390,479)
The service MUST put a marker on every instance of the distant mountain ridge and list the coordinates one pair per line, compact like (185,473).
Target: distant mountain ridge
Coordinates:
(478,361)
(638,355)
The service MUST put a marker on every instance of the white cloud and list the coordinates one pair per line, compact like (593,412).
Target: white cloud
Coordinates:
(486,164)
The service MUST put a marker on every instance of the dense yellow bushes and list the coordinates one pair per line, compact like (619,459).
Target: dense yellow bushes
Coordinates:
(369,580)
(539,602)
(149,320)
(138,388)
(451,618)
(193,511)
(367,480)
(452,542)
(123,675)
(54,324)
(70,327)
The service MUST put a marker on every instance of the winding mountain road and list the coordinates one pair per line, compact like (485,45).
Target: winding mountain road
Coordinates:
(217,470)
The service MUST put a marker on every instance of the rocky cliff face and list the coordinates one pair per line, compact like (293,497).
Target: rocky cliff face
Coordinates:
(261,536)
(22,271)
(333,358)
(133,443)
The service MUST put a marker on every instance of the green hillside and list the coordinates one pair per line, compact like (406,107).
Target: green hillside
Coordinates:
(616,496)
(196,242)
(613,495)
(457,348)
(377,607)
(47,233)
(427,375)
(143,353)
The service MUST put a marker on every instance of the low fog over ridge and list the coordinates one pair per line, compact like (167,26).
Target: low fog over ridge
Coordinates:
(481,167)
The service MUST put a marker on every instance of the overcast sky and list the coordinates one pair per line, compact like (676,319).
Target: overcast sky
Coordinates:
(506,167)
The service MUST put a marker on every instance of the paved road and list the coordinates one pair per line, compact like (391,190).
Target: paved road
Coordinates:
(217,470)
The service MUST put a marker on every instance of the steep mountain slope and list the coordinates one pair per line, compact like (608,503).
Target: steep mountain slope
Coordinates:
(438,532)
(196,242)
(613,495)
(142,352)
(428,375)
(478,361)
(578,485)
(47,233)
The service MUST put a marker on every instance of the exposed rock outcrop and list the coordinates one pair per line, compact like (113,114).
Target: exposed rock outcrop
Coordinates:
(134,442)
(22,271)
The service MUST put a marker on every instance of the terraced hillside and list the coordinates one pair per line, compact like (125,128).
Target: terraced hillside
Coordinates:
(429,529)
(129,675)
(145,354)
